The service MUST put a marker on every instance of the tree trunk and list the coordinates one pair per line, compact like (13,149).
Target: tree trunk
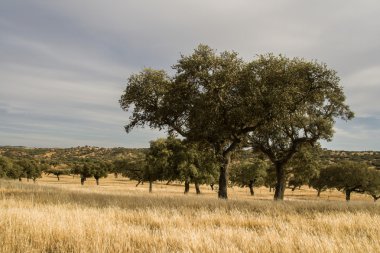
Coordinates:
(168,182)
(58,177)
(150,186)
(187,186)
(251,187)
(223,177)
(319,193)
(198,191)
(116,174)
(348,195)
(212,186)
(82,179)
(97,181)
(270,188)
(375,197)
(19,179)
(34,180)
(293,189)
(138,183)
(280,184)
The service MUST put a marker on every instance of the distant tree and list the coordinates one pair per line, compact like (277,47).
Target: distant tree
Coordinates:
(303,166)
(320,182)
(195,164)
(5,166)
(270,179)
(57,172)
(348,177)
(31,169)
(249,174)
(373,188)
(84,169)
(100,169)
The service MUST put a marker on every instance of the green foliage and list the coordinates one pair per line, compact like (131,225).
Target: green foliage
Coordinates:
(249,174)
(303,166)
(301,100)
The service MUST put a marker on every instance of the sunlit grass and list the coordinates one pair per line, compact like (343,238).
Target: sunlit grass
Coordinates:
(116,216)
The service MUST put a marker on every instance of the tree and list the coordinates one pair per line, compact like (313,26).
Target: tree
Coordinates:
(31,169)
(206,101)
(348,177)
(249,174)
(302,100)
(84,169)
(57,172)
(100,169)
(196,164)
(303,166)
(5,166)
(320,181)
(373,187)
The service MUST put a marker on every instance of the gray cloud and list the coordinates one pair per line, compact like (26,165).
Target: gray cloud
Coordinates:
(64,64)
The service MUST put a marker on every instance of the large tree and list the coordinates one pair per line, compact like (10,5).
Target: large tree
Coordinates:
(302,99)
(205,101)
(219,99)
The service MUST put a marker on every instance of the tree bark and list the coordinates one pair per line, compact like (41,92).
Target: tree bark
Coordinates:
(251,187)
(187,186)
(58,177)
(280,184)
(212,186)
(138,183)
(82,179)
(19,179)
(97,181)
(375,198)
(348,195)
(197,189)
(150,186)
(223,177)
(116,174)
(319,193)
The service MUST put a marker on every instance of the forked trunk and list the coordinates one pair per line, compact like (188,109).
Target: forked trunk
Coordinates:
(251,187)
(280,184)
(197,189)
(187,186)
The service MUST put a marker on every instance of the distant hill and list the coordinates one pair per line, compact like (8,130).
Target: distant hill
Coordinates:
(64,155)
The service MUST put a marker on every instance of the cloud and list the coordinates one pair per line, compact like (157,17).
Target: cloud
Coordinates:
(64,64)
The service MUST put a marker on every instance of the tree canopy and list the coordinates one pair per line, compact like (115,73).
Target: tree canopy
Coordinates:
(219,99)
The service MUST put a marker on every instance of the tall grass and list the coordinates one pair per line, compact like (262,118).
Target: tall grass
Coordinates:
(42,218)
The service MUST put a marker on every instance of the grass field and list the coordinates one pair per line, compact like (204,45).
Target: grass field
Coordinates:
(52,216)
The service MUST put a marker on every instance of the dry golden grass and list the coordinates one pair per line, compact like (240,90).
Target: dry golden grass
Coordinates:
(63,216)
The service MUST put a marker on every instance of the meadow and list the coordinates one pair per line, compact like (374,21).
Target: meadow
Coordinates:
(116,216)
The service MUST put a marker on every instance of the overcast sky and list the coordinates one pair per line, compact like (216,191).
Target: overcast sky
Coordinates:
(64,64)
